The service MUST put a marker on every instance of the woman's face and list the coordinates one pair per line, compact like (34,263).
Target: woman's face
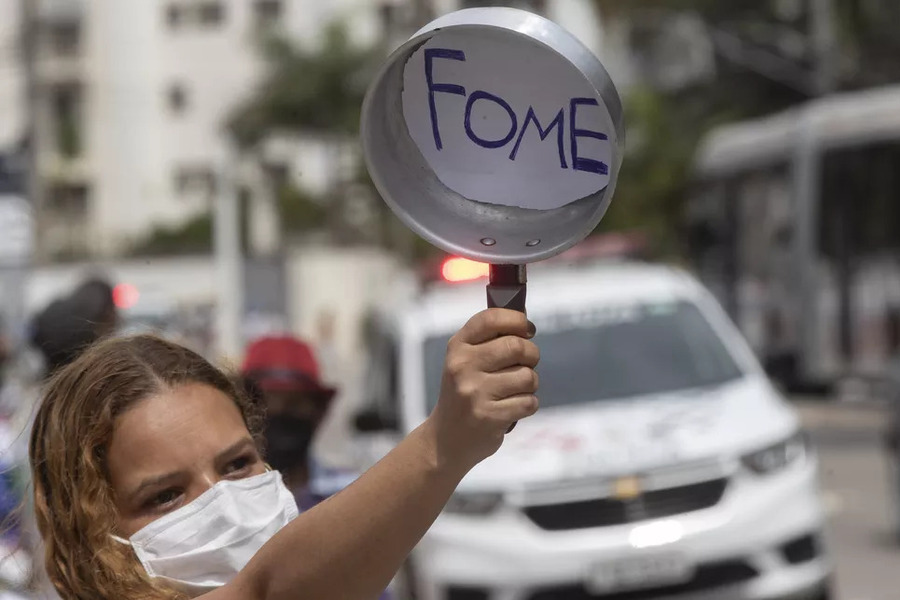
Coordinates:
(170,448)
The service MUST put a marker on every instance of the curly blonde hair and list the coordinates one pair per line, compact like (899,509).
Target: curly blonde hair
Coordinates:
(73,498)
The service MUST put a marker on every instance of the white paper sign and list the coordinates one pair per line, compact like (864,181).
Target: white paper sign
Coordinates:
(504,120)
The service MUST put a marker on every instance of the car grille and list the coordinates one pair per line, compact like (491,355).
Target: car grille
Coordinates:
(464,593)
(801,550)
(604,512)
(707,577)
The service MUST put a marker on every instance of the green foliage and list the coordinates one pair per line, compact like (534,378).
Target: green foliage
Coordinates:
(316,91)
(194,236)
(664,128)
(301,211)
(320,90)
(654,171)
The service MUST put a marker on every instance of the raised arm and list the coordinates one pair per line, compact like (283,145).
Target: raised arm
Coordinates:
(350,546)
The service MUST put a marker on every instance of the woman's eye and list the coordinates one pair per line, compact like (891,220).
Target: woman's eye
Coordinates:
(165,499)
(238,465)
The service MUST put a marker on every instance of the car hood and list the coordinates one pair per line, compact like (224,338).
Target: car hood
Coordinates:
(626,437)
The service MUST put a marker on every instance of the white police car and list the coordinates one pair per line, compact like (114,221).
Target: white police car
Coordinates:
(662,464)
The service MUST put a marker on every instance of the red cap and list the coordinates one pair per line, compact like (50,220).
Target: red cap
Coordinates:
(284,364)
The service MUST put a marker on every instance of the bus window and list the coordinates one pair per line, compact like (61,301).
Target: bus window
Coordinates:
(710,238)
(766,311)
(859,239)
(742,236)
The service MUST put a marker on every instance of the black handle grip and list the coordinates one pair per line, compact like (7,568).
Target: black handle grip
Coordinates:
(507,289)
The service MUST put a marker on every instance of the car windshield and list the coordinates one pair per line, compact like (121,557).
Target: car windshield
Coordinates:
(616,352)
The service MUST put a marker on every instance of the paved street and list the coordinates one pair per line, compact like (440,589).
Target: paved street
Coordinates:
(855,482)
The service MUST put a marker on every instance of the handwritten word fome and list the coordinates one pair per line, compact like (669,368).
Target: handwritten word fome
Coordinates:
(578,162)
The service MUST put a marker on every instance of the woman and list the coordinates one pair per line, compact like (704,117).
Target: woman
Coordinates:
(149,483)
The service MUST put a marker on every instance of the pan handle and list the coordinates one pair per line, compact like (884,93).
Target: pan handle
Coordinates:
(507,289)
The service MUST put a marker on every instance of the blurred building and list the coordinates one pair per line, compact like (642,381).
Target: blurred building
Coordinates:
(132,97)
(12,76)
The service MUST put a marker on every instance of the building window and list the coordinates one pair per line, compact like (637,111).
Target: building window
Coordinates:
(277,174)
(65,38)
(68,201)
(174,15)
(210,13)
(66,112)
(205,13)
(64,221)
(268,12)
(177,97)
(194,180)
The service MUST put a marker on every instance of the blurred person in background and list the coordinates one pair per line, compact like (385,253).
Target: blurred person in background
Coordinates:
(283,374)
(72,323)
(15,560)
(59,333)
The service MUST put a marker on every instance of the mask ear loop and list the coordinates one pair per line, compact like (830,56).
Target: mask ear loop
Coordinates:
(269,468)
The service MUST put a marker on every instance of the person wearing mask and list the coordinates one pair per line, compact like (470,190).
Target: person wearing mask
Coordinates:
(150,483)
(282,373)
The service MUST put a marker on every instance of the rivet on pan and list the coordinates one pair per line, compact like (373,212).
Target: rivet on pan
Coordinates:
(533,243)
(488,241)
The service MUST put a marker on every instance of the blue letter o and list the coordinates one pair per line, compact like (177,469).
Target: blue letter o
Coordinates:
(479,95)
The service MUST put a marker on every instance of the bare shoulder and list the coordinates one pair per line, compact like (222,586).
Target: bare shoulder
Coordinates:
(231,591)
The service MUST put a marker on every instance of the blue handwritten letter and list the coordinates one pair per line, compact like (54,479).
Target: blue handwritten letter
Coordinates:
(556,122)
(480,95)
(447,88)
(585,164)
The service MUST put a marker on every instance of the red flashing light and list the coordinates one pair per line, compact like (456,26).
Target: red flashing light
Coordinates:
(125,296)
(456,270)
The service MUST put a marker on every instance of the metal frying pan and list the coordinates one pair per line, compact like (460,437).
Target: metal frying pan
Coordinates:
(496,135)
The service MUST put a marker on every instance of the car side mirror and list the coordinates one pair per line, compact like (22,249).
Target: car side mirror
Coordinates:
(373,421)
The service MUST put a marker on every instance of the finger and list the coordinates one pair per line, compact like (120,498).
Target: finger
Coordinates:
(517,381)
(513,409)
(507,351)
(493,323)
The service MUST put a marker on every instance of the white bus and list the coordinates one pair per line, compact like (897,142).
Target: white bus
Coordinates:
(794,223)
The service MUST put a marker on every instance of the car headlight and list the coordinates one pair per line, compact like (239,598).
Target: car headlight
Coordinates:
(473,503)
(778,456)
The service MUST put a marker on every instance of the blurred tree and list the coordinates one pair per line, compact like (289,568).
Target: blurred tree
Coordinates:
(867,31)
(300,211)
(307,91)
(768,55)
(194,236)
(809,47)
(320,92)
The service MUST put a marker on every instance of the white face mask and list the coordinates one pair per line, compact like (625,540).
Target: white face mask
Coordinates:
(202,545)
